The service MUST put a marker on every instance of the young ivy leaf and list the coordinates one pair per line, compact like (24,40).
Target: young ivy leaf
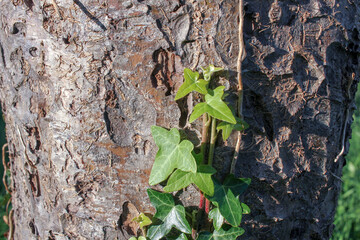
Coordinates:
(202,179)
(217,218)
(214,106)
(227,128)
(207,72)
(222,234)
(192,83)
(169,214)
(143,220)
(172,154)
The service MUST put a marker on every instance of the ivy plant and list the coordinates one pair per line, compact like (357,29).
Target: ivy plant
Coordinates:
(178,164)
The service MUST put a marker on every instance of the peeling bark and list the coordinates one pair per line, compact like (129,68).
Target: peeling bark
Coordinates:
(83,81)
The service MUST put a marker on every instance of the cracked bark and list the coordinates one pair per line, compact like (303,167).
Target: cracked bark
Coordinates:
(83,81)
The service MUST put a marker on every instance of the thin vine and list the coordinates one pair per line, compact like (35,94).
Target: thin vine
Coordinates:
(241,57)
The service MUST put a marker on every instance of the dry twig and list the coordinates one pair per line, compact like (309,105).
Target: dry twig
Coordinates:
(241,57)
(5,168)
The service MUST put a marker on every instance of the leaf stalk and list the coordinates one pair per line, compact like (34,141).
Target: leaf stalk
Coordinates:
(204,134)
(213,136)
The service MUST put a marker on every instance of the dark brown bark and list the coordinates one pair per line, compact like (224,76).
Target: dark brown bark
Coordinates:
(83,81)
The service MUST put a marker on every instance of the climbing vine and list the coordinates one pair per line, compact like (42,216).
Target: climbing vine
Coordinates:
(180,164)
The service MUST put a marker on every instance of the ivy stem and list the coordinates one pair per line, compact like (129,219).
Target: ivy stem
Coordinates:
(207,206)
(204,140)
(212,141)
(204,134)
(201,203)
(213,135)
(143,232)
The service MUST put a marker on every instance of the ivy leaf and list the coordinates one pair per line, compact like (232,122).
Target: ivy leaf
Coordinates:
(227,128)
(221,234)
(169,214)
(178,180)
(191,83)
(202,179)
(139,238)
(172,154)
(226,198)
(214,106)
(245,208)
(217,218)
(207,72)
(143,220)
(199,158)
(236,185)
(182,236)
(227,203)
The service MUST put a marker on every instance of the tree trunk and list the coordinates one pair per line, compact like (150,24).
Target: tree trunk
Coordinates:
(83,81)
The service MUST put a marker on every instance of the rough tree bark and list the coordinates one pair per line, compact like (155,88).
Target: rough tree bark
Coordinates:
(83,81)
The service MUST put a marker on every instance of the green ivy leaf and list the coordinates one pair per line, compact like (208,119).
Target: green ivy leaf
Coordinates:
(227,203)
(182,236)
(199,158)
(178,180)
(207,72)
(214,106)
(236,185)
(221,234)
(202,179)
(217,218)
(191,83)
(168,213)
(227,128)
(245,208)
(139,238)
(226,198)
(172,154)
(143,220)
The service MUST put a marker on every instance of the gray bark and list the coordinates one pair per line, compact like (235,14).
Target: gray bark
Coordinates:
(81,86)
